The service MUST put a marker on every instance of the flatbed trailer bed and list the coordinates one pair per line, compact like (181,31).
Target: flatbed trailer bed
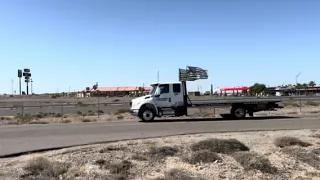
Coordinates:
(239,108)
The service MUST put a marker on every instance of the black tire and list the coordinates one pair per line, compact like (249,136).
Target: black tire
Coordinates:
(146,114)
(238,112)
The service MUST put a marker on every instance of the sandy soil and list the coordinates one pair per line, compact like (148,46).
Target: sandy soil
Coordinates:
(87,162)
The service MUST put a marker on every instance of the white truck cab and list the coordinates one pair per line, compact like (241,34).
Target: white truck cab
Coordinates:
(171,99)
(165,98)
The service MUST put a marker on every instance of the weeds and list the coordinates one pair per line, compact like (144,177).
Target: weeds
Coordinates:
(311,158)
(121,111)
(316,135)
(290,141)
(112,148)
(254,161)
(159,153)
(42,168)
(120,170)
(224,146)
(177,174)
(203,156)
(312,103)
(139,157)
(120,117)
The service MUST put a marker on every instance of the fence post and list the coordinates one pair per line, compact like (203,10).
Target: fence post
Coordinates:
(62,112)
(22,108)
(214,111)
(98,108)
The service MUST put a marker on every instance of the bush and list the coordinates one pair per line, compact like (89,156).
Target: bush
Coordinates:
(311,103)
(120,169)
(139,157)
(224,146)
(41,168)
(58,115)
(311,158)
(316,135)
(100,111)
(159,153)
(120,117)
(100,162)
(85,120)
(203,156)
(79,112)
(178,174)
(290,141)
(121,111)
(90,113)
(254,161)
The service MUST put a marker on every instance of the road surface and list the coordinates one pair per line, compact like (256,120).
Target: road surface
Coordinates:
(33,106)
(25,138)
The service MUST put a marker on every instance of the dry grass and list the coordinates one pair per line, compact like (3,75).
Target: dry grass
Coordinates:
(254,161)
(165,158)
(177,174)
(139,157)
(121,111)
(311,158)
(42,168)
(160,153)
(317,135)
(120,170)
(203,156)
(224,146)
(290,141)
(112,148)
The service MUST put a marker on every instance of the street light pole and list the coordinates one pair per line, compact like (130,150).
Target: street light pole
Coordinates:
(300,104)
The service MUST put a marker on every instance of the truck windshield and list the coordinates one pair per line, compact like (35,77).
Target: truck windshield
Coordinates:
(153,89)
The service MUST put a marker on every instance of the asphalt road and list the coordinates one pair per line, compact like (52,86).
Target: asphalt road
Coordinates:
(25,138)
(33,106)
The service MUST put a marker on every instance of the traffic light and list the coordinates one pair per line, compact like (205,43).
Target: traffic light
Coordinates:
(19,73)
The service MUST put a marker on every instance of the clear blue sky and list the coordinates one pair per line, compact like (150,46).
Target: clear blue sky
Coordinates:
(125,42)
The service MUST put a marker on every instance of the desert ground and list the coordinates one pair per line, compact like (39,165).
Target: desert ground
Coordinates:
(85,112)
(292,154)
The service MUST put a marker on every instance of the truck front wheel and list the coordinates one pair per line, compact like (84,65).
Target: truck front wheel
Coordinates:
(146,114)
(238,112)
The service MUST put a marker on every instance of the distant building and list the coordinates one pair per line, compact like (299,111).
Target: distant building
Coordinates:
(120,91)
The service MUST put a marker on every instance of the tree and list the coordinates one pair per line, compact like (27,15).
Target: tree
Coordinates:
(312,83)
(257,88)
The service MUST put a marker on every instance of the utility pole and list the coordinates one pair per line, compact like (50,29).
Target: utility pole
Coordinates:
(31,81)
(300,104)
(12,87)
(158,76)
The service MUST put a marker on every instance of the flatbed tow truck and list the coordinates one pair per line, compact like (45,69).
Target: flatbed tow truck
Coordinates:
(171,99)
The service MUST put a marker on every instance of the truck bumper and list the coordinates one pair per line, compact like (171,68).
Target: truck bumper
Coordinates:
(134,112)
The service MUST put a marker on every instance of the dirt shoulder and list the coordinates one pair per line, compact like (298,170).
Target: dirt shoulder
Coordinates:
(291,154)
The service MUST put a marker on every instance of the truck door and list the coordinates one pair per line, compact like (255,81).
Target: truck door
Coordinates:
(165,99)
(177,97)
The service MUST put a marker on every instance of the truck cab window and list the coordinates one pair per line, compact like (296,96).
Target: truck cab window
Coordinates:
(164,88)
(176,88)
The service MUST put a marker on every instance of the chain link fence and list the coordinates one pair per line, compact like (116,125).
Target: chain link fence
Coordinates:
(95,109)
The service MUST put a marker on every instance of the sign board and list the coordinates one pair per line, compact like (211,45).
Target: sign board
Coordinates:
(192,73)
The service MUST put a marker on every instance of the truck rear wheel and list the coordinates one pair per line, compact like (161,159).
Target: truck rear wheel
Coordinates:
(238,112)
(146,114)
